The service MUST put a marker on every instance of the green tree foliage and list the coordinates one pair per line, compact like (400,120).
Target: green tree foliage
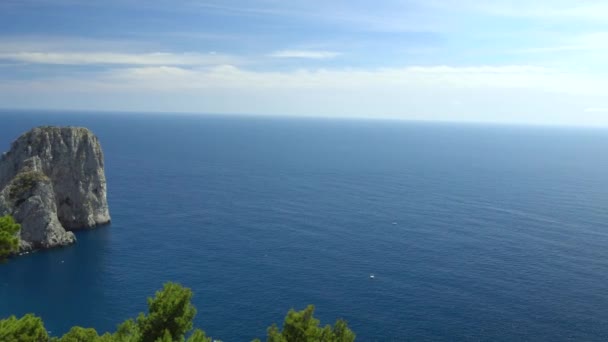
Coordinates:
(302,326)
(127,332)
(342,333)
(78,334)
(198,336)
(9,241)
(170,314)
(28,328)
(169,319)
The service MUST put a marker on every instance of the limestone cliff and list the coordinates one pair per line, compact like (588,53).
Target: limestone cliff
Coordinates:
(53,180)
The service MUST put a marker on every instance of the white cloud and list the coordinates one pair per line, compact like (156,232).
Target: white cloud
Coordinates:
(73,44)
(478,93)
(100,58)
(306,54)
(165,78)
(172,79)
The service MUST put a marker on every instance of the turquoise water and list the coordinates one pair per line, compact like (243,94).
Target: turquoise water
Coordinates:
(473,232)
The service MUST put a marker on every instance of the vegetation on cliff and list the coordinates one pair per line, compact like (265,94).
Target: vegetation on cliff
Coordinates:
(169,319)
(24,182)
(9,241)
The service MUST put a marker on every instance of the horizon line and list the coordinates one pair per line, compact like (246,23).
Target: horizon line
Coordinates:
(4,110)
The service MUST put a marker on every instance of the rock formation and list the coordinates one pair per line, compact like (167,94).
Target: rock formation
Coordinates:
(53,180)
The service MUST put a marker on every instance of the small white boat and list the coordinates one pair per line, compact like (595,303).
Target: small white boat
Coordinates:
(372,276)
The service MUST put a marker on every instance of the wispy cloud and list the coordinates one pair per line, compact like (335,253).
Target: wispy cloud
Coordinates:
(407,79)
(101,58)
(480,93)
(71,43)
(307,54)
(175,78)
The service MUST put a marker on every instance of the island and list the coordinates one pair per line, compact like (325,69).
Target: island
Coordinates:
(52,181)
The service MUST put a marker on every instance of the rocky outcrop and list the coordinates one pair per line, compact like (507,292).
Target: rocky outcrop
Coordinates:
(52,181)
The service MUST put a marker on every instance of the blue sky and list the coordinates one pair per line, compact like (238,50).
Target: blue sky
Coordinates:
(540,62)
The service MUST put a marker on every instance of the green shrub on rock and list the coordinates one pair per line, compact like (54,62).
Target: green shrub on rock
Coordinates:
(24,182)
(9,241)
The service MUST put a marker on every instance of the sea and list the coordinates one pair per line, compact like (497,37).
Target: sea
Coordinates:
(473,232)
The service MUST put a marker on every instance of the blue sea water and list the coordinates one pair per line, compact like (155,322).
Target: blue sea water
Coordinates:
(473,232)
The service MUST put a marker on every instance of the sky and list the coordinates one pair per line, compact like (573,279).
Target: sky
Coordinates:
(507,61)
